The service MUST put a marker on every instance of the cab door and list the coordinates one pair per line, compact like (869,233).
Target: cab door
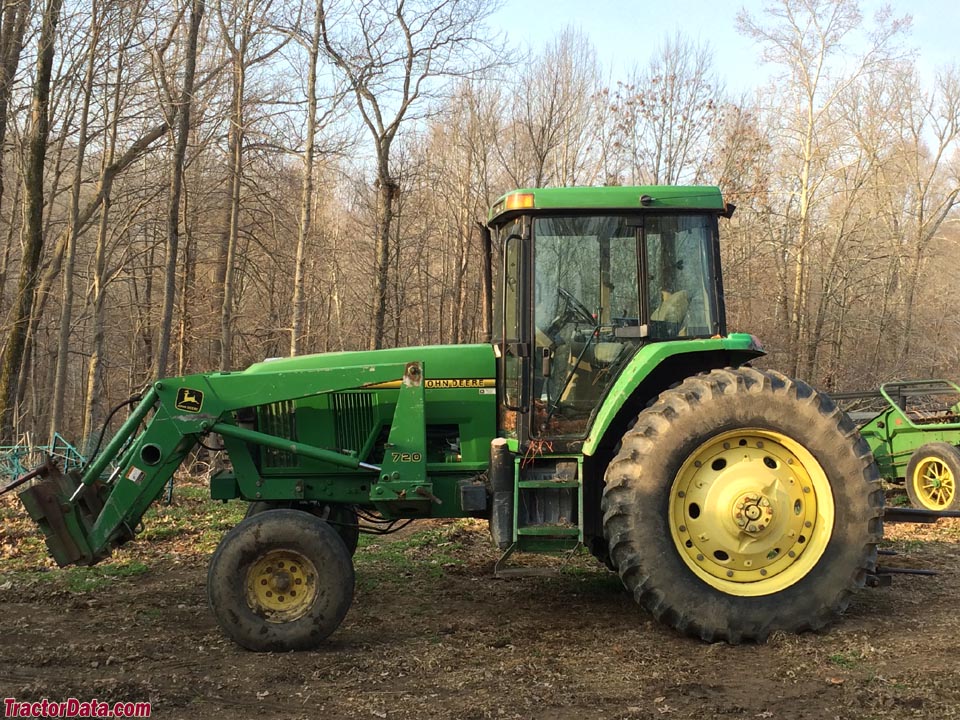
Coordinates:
(514,376)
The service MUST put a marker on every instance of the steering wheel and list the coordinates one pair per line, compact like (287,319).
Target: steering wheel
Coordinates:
(572,308)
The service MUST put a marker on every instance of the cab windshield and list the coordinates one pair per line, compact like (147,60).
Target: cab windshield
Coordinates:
(592,312)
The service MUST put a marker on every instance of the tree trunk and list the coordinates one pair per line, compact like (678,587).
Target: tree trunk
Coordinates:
(14,20)
(176,188)
(189,271)
(94,405)
(8,246)
(228,246)
(95,387)
(387,192)
(306,198)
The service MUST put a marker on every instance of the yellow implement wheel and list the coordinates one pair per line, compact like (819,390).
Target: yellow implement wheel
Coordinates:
(742,503)
(281,585)
(932,475)
(751,512)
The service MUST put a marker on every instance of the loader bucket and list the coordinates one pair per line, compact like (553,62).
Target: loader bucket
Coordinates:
(65,523)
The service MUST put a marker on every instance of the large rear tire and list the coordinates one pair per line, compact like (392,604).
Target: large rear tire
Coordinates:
(280,580)
(742,503)
(932,476)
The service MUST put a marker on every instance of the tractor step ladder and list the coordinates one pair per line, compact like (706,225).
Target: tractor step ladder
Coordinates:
(547,511)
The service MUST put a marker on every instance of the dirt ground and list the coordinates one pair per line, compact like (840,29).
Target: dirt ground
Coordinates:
(431,634)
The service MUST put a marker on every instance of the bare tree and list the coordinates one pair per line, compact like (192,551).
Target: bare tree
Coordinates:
(13,23)
(182,137)
(305,225)
(245,28)
(805,39)
(115,96)
(931,121)
(664,113)
(394,54)
(551,121)
(66,307)
(33,214)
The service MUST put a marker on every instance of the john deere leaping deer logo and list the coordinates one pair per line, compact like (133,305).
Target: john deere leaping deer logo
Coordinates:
(189,400)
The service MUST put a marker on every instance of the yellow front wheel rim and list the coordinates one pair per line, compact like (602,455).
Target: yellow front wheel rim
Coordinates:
(751,512)
(934,483)
(281,585)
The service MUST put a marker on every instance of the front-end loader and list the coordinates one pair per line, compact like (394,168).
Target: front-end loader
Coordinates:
(611,410)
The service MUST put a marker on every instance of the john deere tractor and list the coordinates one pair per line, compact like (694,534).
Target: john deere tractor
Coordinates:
(611,410)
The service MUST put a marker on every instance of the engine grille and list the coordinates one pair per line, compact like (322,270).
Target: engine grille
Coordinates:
(353,419)
(277,419)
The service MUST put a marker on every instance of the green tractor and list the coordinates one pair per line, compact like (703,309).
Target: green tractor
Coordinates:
(611,410)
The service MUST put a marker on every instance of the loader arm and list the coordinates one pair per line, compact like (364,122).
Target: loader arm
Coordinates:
(84,515)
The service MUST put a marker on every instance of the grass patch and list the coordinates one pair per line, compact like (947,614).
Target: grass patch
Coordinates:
(426,554)
(907,546)
(75,579)
(192,517)
(85,579)
(898,500)
(848,660)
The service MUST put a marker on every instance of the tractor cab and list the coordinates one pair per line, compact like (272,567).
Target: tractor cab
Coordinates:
(589,275)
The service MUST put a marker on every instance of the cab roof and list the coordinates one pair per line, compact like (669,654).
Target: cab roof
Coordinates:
(637,197)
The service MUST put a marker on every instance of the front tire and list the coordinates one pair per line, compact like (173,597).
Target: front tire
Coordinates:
(932,476)
(280,580)
(742,503)
(342,518)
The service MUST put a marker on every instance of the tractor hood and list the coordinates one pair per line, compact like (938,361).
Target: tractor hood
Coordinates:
(448,366)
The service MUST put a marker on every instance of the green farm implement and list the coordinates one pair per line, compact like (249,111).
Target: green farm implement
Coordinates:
(611,410)
(913,428)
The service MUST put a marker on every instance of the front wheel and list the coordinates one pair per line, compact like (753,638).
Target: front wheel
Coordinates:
(932,475)
(741,503)
(280,580)
(342,518)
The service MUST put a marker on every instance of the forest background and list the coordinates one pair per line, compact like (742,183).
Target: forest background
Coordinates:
(200,184)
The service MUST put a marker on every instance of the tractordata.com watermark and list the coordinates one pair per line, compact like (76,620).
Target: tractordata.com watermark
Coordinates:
(74,708)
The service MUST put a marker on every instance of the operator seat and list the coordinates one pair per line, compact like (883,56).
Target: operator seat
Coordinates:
(673,311)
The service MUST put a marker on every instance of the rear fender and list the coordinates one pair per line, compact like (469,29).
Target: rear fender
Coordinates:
(653,369)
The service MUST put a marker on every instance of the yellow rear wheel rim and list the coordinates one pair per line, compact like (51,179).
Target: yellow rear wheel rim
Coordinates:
(934,483)
(751,512)
(281,585)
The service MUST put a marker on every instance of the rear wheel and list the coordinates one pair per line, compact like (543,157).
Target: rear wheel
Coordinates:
(743,502)
(601,552)
(932,476)
(342,518)
(280,580)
